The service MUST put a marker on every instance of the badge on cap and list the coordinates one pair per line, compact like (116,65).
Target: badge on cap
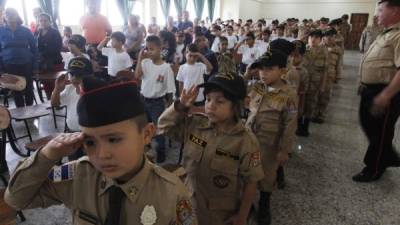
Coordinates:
(148,216)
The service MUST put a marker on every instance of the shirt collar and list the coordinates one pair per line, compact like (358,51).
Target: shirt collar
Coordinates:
(134,186)
(237,128)
(393,27)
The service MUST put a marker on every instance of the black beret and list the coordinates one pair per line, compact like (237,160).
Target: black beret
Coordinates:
(228,82)
(282,45)
(335,22)
(80,66)
(391,2)
(330,32)
(315,33)
(270,59)
(103,103)
(324,20)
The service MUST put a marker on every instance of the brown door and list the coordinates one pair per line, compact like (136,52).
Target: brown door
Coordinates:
(358,22)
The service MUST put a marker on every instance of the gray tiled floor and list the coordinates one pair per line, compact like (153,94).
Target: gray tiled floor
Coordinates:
(319,188)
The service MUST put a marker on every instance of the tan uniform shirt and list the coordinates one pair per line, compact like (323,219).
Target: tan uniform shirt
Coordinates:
(382,60)
(316,63)
(273,116)
(303,32)
(368,36)
(300,82)
(153,196)
(217,164)
(334,54)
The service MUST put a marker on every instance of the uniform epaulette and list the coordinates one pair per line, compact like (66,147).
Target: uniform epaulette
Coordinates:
(258,88)
(170,177)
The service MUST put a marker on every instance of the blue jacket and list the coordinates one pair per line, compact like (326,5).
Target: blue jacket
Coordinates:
(18,47)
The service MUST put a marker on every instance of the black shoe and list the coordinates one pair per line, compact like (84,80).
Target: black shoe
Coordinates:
(317,120)
(365,176)
(160,157)
(264,212)
(280,178)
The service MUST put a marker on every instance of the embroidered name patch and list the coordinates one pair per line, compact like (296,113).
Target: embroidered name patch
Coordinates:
(197,141)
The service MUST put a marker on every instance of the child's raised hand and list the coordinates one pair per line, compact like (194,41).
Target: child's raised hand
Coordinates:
(143,54)
(189,96)
(63,145)
(60,83)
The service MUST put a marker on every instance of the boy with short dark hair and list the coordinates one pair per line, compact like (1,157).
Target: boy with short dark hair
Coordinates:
(225,57)
(192,72)
(158,84)
(76,47)
(116,184)
(272,118)
(217,32)
(118,58)
(232,39)
(247,51)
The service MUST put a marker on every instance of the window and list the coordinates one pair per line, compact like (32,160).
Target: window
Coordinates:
(138,10)
(19,6)
(71,12)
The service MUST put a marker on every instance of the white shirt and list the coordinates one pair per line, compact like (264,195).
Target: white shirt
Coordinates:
(215,45)
(192,75)
(67,56)
(70,98)
(262,45)
(117,61)
(232,40)
(249,55)
(157,80)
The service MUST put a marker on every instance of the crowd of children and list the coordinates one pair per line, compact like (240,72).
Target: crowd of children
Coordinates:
(235,98)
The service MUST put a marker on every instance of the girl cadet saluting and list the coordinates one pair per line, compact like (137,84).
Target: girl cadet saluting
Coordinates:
(221,157)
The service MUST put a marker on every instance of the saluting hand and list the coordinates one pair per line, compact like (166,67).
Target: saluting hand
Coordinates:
(63,145)
(189,96)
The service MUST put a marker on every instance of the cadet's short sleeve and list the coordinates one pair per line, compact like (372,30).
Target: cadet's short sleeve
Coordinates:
(250,163)
(107,51)
(397,52)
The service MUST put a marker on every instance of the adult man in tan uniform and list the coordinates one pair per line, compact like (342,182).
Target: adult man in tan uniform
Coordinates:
(369,35)
(115,184)
(380,97)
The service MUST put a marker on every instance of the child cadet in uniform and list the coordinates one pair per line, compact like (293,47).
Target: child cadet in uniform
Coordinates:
(272,118)
(221,157)
(116,184)
(334,54)
(316,63)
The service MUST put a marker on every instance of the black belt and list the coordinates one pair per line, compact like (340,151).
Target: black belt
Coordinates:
(153,99)
(374,86)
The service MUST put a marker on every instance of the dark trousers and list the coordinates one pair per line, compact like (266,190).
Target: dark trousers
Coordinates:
(379,130)
(154,108)
(25,97)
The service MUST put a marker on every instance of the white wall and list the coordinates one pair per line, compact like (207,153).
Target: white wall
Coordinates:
(283,9)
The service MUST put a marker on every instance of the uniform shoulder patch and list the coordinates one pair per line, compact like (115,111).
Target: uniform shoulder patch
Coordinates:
(184,213)
(62,173)
(168,176)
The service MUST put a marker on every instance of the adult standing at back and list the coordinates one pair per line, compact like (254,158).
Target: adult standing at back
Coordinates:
(369,35)
(187,27)
(49,46)
(134,36)
(95,27)
(380,94)
(345,29)
(19,54)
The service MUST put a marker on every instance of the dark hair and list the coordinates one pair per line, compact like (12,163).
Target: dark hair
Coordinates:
(193,48)
(168,37)
(119,36)
(345,16)
(236,104)
(45,15)
(223,38)
(68,29)
(229,26)
(154,39)
(216,27)
(266,31)
(251,35)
